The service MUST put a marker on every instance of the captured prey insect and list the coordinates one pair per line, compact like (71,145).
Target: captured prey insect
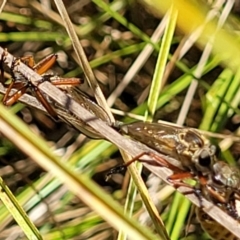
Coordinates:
(221,187)
(214,229)
(224,186)
(21,85)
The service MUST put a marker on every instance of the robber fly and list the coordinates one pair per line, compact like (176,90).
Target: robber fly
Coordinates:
(195,153)
(216,180)
(21,84)
(187,145)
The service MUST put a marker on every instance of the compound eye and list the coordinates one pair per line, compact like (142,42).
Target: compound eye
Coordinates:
(215,150)
(204,159)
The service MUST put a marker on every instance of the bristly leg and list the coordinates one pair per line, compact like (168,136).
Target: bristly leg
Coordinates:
(157,161)
(21,86)
(203,188)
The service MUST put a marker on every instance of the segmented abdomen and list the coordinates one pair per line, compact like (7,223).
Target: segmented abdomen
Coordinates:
(213,228)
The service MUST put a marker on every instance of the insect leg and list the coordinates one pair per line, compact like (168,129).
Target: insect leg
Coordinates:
(29,61)
(15,62)
(10,100)
(45,64)
(45,103)
(158,161)
(65,81)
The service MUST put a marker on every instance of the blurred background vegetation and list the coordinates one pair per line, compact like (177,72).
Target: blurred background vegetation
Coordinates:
(116,37)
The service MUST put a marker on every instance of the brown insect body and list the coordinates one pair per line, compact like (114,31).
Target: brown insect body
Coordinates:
(214,229)
(22,85)
(187,145)
(217,181)
(225,181)
(227,175)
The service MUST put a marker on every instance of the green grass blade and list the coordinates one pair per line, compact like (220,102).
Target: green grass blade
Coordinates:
(81,185)
(17,212)
(161,63)
(125,23)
